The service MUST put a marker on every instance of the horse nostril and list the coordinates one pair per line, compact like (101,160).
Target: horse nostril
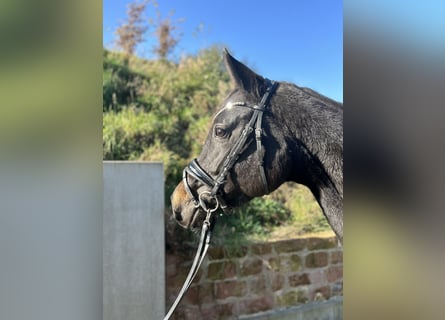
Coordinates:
(177,214)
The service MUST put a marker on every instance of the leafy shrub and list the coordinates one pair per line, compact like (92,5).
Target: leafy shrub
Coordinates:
(126,134)
(173,165)
(159,110)
(121,85)
(307,214)
(256,217)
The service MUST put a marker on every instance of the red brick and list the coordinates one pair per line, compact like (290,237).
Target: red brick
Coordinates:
(257,285)
(320,293)
(226,310)
(274,264)
(208,313)
(251,267)
(184,266)
(336,257)
(221,270)
(261,248)
(170,270)
(318,277)
(179,312)
(321,243)
(200,294)
(230,270)
(236,252)
(191,296)
(335,273)
(178,280)
(317,260)
(291,263)
(199,275)
(189,312)
(216,253)
(290,245)
(170,265)
(292,298)
(299,279)
(171,259)
(256,305)
(220,311)
(295,262)
(277,282)
(230,289)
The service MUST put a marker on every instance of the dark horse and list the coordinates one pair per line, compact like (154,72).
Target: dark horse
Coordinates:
(299,137)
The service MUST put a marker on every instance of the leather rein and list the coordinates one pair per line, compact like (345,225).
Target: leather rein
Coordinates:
(216,184)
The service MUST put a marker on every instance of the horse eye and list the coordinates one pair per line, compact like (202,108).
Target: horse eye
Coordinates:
(220,132)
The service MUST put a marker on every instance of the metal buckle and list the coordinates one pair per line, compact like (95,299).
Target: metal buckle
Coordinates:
(203,204)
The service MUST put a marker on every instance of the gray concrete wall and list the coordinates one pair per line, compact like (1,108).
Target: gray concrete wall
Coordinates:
(133,243)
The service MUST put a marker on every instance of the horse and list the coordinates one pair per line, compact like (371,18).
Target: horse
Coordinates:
(265,133)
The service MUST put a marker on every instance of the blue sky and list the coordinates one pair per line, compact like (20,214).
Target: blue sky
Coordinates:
(288,40)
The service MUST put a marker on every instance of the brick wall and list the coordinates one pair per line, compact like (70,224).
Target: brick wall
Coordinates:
(256,278)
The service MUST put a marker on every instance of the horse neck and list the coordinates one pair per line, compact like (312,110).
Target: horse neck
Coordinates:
(314,134)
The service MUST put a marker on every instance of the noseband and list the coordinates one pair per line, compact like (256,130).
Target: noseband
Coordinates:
(216,184)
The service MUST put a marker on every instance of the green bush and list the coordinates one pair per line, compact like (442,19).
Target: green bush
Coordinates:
(126,134)
(257,217)
(160,110)
(121,85)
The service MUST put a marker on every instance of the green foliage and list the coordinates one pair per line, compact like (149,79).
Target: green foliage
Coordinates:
(159,110)
(307,215)
(256,217)
(173,164)
(121,84)
(126,134)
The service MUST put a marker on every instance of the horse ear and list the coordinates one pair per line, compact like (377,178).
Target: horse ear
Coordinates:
(242,76)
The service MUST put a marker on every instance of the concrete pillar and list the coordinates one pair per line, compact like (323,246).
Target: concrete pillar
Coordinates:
(133,242)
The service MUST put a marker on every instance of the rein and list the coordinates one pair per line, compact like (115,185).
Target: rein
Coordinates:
(195,170)
(204,243)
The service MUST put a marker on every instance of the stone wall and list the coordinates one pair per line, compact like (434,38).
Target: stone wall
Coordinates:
(256,278)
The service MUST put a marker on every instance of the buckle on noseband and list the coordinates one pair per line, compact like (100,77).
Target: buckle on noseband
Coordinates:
(203,204)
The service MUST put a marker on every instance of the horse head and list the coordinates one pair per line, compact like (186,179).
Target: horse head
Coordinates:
(243,180)
(264,134)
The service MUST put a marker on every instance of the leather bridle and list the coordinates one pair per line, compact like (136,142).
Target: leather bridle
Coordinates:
(216,184)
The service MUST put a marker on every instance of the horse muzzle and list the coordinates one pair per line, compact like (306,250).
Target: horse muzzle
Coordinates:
(185,210)
(182,206)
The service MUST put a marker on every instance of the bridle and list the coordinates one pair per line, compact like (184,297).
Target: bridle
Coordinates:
(216,184)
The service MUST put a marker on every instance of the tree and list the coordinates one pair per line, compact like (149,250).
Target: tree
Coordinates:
(166,31)
(131,33)
(167,40)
